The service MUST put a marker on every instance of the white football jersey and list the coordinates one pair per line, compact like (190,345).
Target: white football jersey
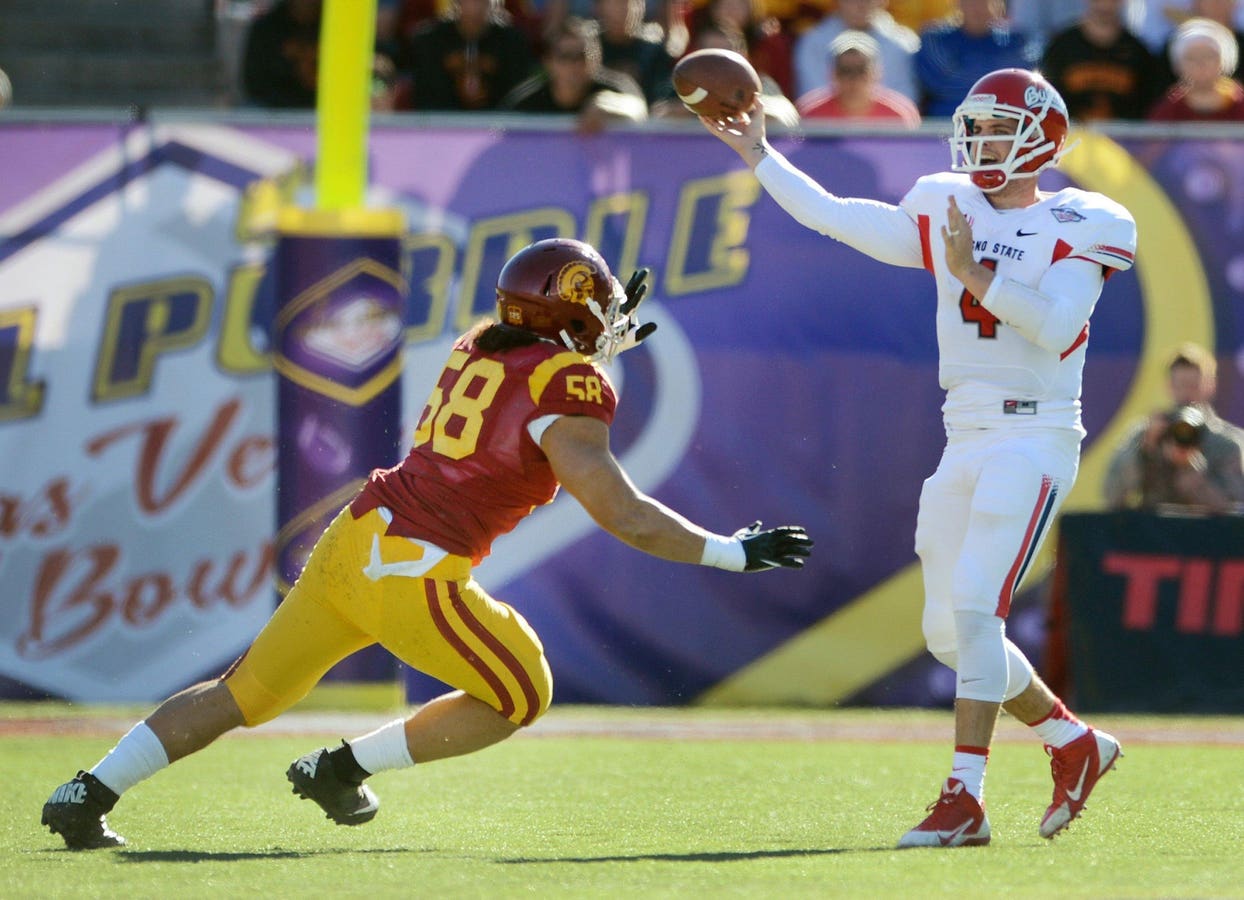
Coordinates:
(993,375)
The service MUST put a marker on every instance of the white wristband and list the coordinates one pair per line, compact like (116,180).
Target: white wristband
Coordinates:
(722,552)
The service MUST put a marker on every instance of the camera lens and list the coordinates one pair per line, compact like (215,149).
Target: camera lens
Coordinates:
(1186,427)
(1184,435)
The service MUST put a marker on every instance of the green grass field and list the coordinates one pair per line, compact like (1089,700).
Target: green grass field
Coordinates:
(630,803)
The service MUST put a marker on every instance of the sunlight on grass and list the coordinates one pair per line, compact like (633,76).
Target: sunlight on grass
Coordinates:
(651,816)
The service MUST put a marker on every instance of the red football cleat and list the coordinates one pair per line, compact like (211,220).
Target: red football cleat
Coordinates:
(955,820)
(1077,768)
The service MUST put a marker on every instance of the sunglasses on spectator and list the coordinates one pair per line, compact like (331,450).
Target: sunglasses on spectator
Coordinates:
(851,69)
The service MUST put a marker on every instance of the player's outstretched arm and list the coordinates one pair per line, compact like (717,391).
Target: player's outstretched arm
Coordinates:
(577,448)
(881,230)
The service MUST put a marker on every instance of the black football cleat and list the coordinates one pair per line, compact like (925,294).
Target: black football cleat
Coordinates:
(345,802)
(76,812)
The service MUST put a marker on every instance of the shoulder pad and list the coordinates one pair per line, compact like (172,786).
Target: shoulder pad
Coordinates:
(1098,228)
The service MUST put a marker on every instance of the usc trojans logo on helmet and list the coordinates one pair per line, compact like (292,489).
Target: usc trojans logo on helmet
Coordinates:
(562,289)
(576,282)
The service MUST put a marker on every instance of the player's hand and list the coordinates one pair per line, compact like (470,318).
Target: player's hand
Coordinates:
(787,546)
(744,133)
(958,242)
(636,289)
(957,236)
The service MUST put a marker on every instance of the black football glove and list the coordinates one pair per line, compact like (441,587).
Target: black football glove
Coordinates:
(787,546)
(635,290)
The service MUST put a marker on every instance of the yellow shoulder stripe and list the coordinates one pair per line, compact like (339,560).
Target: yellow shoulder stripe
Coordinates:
(544,372)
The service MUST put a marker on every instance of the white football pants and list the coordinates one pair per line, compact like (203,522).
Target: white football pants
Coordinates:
(983,516)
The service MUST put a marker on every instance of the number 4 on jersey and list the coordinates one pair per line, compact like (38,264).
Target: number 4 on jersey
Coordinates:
(973,313)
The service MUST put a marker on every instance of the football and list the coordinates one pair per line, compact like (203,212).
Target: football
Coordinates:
(719,84)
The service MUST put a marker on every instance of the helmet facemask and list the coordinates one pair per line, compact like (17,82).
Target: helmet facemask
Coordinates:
(1027,145)
(615,325)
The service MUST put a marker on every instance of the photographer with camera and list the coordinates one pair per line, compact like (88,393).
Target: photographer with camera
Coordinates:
(1185,457)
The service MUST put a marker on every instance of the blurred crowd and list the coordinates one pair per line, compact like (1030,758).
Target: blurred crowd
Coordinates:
(891,62)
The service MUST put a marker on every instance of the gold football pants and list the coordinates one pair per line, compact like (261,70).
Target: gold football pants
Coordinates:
(360,587)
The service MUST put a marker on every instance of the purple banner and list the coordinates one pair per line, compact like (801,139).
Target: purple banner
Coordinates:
(792,380)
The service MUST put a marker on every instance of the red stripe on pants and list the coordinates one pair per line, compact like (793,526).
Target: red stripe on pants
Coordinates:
(451,637)
(502,652)
(1008,586)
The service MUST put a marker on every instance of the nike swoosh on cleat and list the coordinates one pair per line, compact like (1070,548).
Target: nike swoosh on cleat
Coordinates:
(947,836)
(1074,796)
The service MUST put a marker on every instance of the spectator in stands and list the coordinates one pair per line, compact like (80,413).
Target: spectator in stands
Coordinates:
(1042,19)
(956,52)
(1103,70)
(669,15)
(855,90)
(777,105)
(1223,12)
(280,58)
(398,20)
(1204,54)
(386,92)
(768,46)
(1154,21)
(573,80)
(915,14)
(898,47)
(634,47)
(388,14)
(1185,455)
(468,60)
(554,12)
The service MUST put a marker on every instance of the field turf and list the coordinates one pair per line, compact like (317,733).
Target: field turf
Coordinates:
(599,802)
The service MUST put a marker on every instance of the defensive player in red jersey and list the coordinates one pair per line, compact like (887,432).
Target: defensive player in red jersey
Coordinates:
(523,405)
(1018,272)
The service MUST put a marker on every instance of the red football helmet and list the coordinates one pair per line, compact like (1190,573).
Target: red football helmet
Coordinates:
(1040,117)
(563,289)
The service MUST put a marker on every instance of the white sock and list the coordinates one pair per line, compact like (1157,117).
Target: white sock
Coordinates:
(384,748)
(969,767)
(136,756)
(1060,727)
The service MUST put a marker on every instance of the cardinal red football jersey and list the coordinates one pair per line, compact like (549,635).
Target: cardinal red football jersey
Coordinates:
(474,471)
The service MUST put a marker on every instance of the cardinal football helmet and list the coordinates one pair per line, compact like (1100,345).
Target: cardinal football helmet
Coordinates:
(1040,137)
(563,289)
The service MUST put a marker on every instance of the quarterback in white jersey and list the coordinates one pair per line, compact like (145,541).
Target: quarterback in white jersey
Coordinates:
(1018,273)
(1029,367)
